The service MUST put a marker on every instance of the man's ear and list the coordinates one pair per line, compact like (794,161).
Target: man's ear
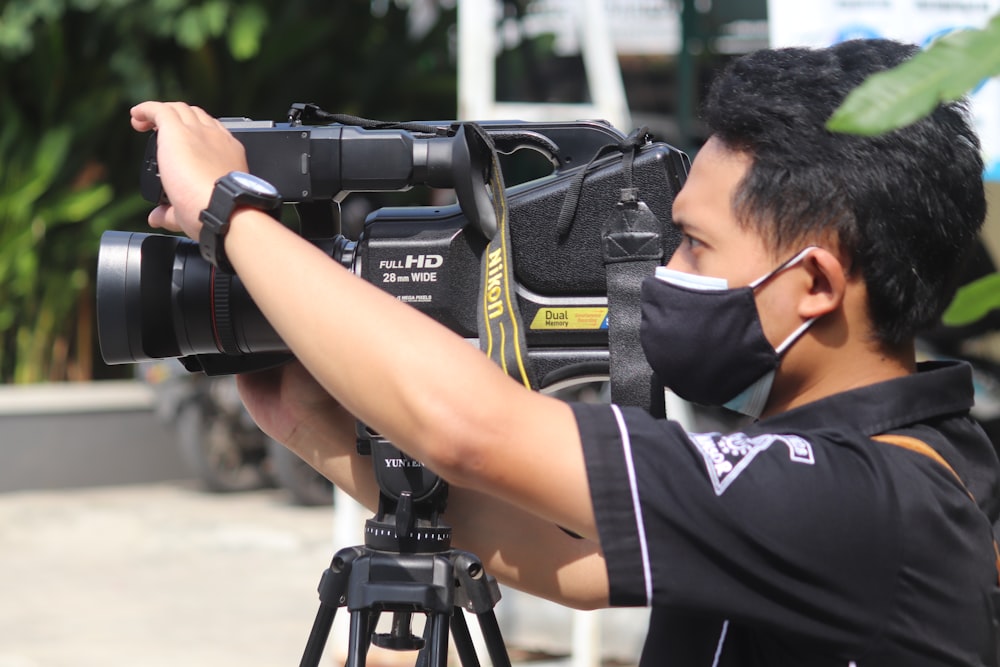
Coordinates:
(827,287)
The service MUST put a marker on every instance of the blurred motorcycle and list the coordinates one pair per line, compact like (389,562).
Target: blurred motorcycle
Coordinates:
(218,440)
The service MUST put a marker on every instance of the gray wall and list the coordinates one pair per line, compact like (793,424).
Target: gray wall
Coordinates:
(83,434)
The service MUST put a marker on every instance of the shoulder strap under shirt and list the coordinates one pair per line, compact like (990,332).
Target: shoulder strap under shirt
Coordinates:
(921,447)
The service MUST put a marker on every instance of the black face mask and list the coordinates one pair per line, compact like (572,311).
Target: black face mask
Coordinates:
(705,341)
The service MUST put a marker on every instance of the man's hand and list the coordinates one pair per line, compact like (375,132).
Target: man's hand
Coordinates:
(283,400)
(193,151)
(291,407)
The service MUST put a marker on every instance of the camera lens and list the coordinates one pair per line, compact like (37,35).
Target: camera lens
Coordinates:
(158,298)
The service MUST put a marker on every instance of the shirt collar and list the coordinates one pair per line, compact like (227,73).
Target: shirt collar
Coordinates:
(938,388)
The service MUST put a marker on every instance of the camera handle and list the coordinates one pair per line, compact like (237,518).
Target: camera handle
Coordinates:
(407,566)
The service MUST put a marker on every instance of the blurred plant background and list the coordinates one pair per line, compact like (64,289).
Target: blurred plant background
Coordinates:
(69,161)
(70,70)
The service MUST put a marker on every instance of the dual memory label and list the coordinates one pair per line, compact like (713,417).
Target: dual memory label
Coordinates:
(589,318)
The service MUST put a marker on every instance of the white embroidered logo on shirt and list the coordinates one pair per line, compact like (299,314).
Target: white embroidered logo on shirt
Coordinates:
(726,456)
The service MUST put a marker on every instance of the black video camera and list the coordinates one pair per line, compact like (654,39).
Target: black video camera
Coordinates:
(157,298)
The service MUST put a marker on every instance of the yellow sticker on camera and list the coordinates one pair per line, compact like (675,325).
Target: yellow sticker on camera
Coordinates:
(566,319)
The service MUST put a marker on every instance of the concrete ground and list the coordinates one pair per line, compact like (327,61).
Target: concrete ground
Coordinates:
(106,560)
(157,575)
(161,574)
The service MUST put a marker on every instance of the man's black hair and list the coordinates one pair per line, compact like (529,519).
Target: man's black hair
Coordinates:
(904,207)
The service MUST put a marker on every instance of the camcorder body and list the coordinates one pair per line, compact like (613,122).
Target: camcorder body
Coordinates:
(157,298)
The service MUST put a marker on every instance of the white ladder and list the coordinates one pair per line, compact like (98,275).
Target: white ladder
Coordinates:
(478,47)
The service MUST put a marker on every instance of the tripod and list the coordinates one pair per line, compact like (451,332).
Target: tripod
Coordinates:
(405,567)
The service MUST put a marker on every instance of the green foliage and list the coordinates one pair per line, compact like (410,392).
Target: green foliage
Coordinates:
(69,161)
(948,69)
(974,301)
(249,22)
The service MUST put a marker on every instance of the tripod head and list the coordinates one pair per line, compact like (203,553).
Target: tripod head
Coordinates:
(407,566)
(411,501)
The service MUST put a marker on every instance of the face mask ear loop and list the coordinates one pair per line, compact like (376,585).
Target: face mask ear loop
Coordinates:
(784,265)
(794,336)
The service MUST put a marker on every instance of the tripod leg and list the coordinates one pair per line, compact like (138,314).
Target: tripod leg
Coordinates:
(463,640)
(494,640)
(332,587)
(491,634)
(437,640)
(480,594)
(318,636)
(360,638)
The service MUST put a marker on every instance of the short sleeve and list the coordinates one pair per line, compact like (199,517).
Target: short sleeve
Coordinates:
(772,528)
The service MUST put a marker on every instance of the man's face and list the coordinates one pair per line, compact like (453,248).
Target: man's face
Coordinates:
(714,244)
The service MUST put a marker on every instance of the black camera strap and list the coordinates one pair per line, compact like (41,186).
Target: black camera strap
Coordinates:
(632,249)
(311,114)
(501,332)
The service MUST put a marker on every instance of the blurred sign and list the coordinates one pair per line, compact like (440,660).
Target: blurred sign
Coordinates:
(638,27)
(824,22)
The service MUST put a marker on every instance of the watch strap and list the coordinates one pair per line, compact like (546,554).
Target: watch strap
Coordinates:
(211,239)
(227,198)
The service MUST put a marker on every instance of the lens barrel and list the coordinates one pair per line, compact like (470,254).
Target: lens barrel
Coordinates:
(158,298)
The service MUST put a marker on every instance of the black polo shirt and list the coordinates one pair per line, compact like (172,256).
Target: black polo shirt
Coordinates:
(801,541)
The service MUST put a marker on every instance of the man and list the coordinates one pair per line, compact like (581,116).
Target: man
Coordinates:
(809,261)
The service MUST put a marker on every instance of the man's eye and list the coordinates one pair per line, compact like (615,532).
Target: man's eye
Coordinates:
(691,241)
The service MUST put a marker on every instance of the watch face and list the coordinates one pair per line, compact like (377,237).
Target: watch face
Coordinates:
(254,184)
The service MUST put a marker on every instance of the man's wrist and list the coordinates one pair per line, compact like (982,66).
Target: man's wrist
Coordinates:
(244,224)
(233,192)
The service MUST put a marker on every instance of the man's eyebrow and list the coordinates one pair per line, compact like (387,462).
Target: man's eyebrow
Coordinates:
(684,227)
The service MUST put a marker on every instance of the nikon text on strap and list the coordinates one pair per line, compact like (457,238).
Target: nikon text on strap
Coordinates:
(501,332)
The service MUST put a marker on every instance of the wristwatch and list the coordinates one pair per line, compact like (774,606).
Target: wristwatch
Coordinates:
(235,190)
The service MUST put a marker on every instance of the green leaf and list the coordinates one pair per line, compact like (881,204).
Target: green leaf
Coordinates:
(196,25)
(246,32)
(123,211)
(213,15)
(167,6)
(948,69)
(33,182)
(18,18)
(80,205)
(191,32)
(973,301)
